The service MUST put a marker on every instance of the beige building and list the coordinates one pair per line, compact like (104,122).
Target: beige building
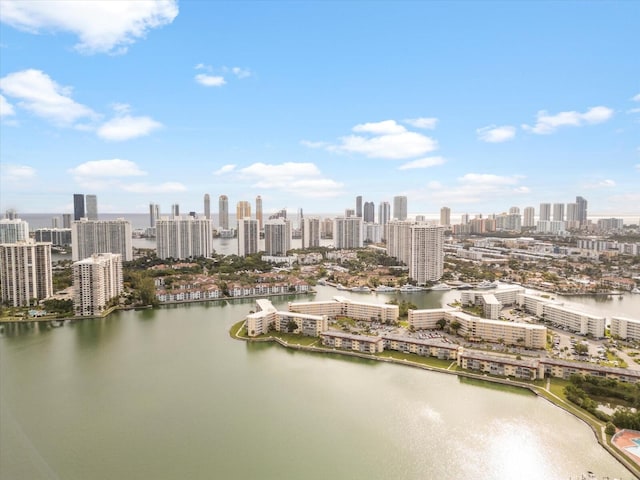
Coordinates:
(625,328)
(427,319)
(525,369)
(347,341)
(431,347)
(267,316)
(97,281)
(341,306)
(25,272)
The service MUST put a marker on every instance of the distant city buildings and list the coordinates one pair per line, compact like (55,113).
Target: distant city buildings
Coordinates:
(347,232)
(545,212)
(223,212)
(445,216)
(184,237)
(154,214)
(247,236)
(259,215)
(358,211)
(97,281)
(400,208)
(207,206)
(91,203)
(243,210)
(60,237)
(78,206)
(277,237)
(311,232)
(25,272)
(529,217)
(89,237)
(368,213)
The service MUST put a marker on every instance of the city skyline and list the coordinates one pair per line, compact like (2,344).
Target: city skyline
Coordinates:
(167,102)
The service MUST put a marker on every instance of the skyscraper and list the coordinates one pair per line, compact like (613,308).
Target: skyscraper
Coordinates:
(399,240)
(310,232)
(207,206)
(347,232)
(359,206)
(277,237)
(25,272)
(243,210)
(13,230)
(223,212)
(92,207)
(182,238)
(529,217)
(581,210)
(369,212)
(384,215)
(545,211)
(558,212)
(78,206)
(400,207)
(154,214)
(427,253)
(96,281)
(66,220)
(445,216)
(259,211)
(247,236)
(89,237)
(175,210)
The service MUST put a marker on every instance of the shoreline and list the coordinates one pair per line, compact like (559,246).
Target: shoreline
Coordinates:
(536,390)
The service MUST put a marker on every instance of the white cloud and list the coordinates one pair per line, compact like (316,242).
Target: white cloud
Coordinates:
(606,183)
(310,144)
(210,80)
(127,127)
(16,173)
(225,169)
(638,166)
(423,163)
(107,168)
(428,123)
(550,123)
(36,92)
(386,127)
(6,109)
(487,179)
(636,98)
(167,187)
(303,179)
(241,72)
(494,134)
(102,26)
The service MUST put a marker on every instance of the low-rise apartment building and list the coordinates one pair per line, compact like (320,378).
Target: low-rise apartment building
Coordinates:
(625,328)
(347,341)
(341,306)
(525,369)
(267,316)
(428,347)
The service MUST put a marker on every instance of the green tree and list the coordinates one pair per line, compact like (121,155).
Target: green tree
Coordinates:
(441,323)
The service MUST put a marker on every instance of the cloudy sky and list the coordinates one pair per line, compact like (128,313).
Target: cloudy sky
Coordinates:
(475,105)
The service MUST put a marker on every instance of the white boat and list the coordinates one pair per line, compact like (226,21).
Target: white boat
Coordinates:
(385,288)
(465,286)
(486,285)
(406,288)
(361,289)
(441,286)
(341,287)
(635,290)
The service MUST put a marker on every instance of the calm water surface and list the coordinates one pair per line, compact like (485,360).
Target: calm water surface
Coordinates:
(167,394)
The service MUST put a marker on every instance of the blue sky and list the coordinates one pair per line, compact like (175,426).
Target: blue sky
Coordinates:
(475,105)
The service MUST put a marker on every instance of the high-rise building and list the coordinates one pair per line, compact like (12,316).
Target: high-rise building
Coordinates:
(514,210)
(175,210)
(529,217)
(427,253)
(545,212)
(92,207)
(445,216)
(89,237)
(54,222)
(277,237)
(368,212)
(223,212)
(247,236)
(154,214)
(558,212)
(464,219)
(66,220)
(398,234)
(97,280)
(349,212)
(182,238)
(359,206)
(581,210)
(259,215)
(511,222)
(347,232)
(326,228)
(11,214)
(207,206)
(372,232)
(25,272)
(13,230)
(60,237)
(243,210)
(78,206)
(310,232)
(400,208)
(384,213)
